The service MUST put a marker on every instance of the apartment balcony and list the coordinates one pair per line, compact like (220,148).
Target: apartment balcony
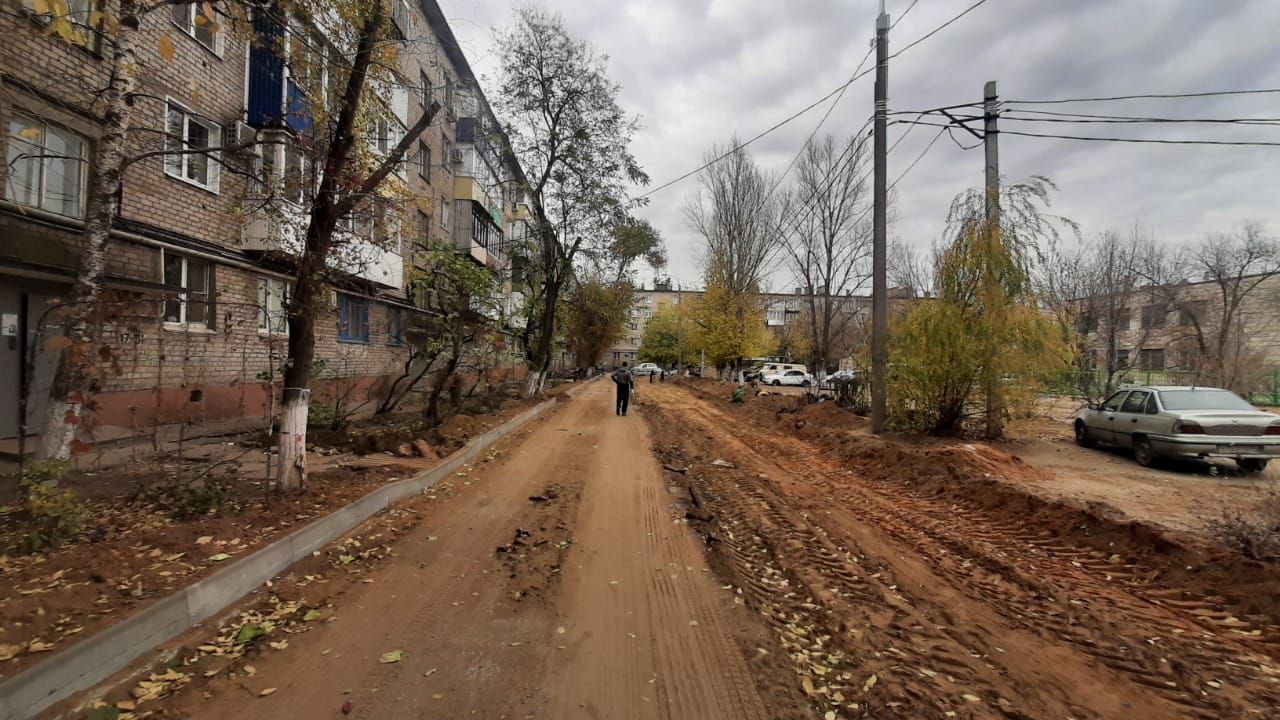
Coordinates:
(476,234)
(283,234)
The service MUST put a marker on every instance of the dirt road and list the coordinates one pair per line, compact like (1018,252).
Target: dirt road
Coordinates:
(700,559)
(562,582)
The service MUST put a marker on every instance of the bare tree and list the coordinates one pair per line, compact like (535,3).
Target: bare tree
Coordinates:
(737,217)
(1093,290)
(1214,323)
(829,238)
(910,270)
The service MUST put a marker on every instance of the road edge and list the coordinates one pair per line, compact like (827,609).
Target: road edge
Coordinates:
(100,656)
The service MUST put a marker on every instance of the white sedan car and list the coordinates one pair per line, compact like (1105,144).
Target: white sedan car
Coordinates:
(788,377)
(647,369)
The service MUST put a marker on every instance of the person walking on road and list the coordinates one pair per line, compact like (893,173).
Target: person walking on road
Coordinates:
(624,381)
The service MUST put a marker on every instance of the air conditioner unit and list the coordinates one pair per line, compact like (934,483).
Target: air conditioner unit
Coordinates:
(241,136)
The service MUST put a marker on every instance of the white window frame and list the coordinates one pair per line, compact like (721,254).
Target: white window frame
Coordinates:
(176,166)
(182,321)
(269,287)
(82,184)
(188,26)
(79,13)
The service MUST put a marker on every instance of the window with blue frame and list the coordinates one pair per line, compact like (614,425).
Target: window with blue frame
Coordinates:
(353,318)
(395,326)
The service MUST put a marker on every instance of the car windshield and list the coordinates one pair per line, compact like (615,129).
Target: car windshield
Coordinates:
(1202,400)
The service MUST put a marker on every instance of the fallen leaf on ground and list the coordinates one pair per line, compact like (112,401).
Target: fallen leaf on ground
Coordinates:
(311,615)
(204,539)
(870,683)
(394,656)
(807,685)
(267,692)
(219,557)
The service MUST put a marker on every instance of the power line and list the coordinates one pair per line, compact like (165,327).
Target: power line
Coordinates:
(809,107)
(1084,118)
(1149,96)
(835,102)
(822,121)
(1158,141)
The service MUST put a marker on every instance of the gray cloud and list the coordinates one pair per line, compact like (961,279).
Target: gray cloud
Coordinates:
(700,71)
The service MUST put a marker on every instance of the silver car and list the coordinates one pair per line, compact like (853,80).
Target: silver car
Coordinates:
(1180,421)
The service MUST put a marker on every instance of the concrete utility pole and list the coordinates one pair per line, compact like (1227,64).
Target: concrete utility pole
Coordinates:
(991,143)
(879,219)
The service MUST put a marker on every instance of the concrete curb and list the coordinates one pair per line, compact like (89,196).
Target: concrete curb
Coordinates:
(96,658)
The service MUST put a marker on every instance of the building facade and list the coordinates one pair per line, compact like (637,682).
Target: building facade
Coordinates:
(198,272)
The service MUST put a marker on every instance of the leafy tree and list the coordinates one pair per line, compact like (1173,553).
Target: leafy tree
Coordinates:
(570,135)
(984,334)
(668,336)
(596,310)
(635,240)
(729,327)
(458,297)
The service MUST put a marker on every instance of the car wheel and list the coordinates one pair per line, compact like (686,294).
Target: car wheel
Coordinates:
(804,383)
(777,383)
(1082,435)
(1143,453)
(1252,465)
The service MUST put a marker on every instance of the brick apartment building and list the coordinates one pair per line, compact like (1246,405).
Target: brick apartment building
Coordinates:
(196,280)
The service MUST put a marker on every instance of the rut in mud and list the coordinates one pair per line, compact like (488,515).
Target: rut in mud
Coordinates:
(894,598)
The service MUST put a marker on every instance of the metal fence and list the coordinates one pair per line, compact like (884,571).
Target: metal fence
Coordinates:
(1266,390)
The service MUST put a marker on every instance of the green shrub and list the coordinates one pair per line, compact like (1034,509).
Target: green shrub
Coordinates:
(54,515)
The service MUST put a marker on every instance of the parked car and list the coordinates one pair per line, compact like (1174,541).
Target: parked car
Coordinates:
(647,369)
(838,377)
(758,372)
(1181,421)
(788,377)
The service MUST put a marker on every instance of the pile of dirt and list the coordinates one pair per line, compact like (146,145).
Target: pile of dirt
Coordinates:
(135,554)
(975,477)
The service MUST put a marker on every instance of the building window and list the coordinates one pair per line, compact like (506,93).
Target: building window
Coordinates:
(353,318)
(424,230)
(424,161)
(1122,358)
(298,175)
(444,214)
(1123,320)
(448,95)
(192,279)
(1153,316)
(1151,359)
(81,29)
(426,88)
(395,326)
(196,20)
(632,326)
(46,166)
(273,298)
(186,132)
(446,161)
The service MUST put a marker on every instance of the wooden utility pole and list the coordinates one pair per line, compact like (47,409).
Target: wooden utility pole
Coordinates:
(879,219)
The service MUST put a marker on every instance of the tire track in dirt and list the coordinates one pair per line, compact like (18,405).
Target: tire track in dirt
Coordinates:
(1061,607)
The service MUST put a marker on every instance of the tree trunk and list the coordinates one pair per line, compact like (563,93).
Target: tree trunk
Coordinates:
(67,394)
(308,292)
(546,336)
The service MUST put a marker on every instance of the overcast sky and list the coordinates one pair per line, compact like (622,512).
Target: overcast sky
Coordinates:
(697,72)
